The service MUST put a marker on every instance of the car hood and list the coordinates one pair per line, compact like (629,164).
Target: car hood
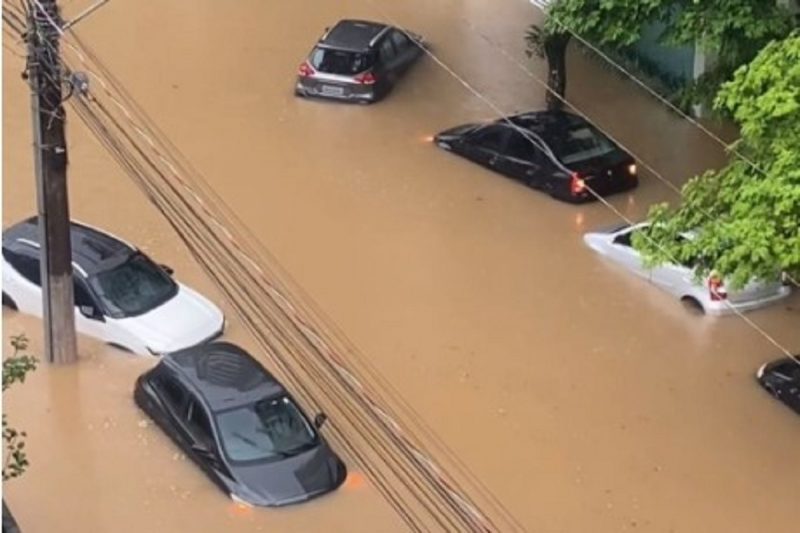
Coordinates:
(785,366)
(182,321)
(291,480)
(597,241)
(455,133)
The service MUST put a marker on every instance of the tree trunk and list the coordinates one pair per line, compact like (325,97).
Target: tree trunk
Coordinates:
(555,49)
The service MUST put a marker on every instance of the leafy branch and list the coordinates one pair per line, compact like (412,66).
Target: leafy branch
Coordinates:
(15,369)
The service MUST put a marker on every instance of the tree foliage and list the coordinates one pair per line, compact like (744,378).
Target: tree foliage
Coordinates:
(731,30)
(746,215)
(601,22)
(15,369)
(617,22)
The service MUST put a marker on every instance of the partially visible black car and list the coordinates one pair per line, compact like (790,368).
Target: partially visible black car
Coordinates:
(357,61)
(555,151)
(781,378)
(240,425)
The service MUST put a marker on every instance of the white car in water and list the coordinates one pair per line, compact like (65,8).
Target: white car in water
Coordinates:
(709,294)
(121,296)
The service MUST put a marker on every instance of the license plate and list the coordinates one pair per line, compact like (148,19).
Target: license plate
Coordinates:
(332,90)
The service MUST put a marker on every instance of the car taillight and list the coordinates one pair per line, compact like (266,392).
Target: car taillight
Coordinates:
(576,184)
(306,70)
(716,289)
(367,78)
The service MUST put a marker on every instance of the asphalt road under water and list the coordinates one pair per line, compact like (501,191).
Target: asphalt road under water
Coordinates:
(585,399)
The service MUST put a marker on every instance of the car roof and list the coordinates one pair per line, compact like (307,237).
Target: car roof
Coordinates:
(544,122)
(354,35)
(92,250)
(223,374)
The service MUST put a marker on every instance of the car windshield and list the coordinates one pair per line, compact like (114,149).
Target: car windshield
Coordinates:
(340,61)
(788,370)
(272,428)
(133,287)
(580,142)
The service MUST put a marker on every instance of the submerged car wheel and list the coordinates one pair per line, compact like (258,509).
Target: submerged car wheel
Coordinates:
(693,305)
(9,302)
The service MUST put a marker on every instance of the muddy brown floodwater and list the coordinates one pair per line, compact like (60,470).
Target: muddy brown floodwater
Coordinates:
(585,399)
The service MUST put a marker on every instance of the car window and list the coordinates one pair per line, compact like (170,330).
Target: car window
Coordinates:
(387,51)
(579,142)
(400,40)
(82,296)
(489,138)
(133,287)
(340,61)
(624,239)
(171,392)
(198,423)
(522,147)
(269,429)
(26,265)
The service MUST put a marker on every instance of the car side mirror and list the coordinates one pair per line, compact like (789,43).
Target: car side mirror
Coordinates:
(319,420)
(90,311)
(168,269)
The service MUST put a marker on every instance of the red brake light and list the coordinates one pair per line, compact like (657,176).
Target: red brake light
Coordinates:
(367,78)
(576,184)
(716,289)
(306,70)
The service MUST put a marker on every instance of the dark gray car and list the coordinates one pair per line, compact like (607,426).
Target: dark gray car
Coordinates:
(781,378)
(240,425)
(554,151)
(358,61)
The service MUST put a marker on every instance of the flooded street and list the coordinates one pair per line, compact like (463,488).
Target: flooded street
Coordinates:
(583,399)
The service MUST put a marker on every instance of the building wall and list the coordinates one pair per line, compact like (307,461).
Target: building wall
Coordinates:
(674,64)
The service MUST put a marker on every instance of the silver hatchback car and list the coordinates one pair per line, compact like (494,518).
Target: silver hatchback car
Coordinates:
(358,61)
(709,294)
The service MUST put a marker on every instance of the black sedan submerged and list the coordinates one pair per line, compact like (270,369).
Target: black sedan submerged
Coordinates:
(240,425)
(781,378)
(555,151)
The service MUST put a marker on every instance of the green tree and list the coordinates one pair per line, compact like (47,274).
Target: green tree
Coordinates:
(746,216)
(731,30)
(15,368)
(602,22)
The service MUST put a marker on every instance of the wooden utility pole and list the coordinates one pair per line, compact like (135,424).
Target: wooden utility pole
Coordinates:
(50,162)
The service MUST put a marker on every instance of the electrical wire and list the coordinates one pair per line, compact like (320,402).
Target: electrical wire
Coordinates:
(453,498)
(501,115)
(151,197)
(231,220)
(728,147)
(163,177)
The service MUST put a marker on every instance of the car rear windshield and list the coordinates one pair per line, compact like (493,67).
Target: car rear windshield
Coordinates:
(580,142)
(133,287)
(342,62)
(269,429)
